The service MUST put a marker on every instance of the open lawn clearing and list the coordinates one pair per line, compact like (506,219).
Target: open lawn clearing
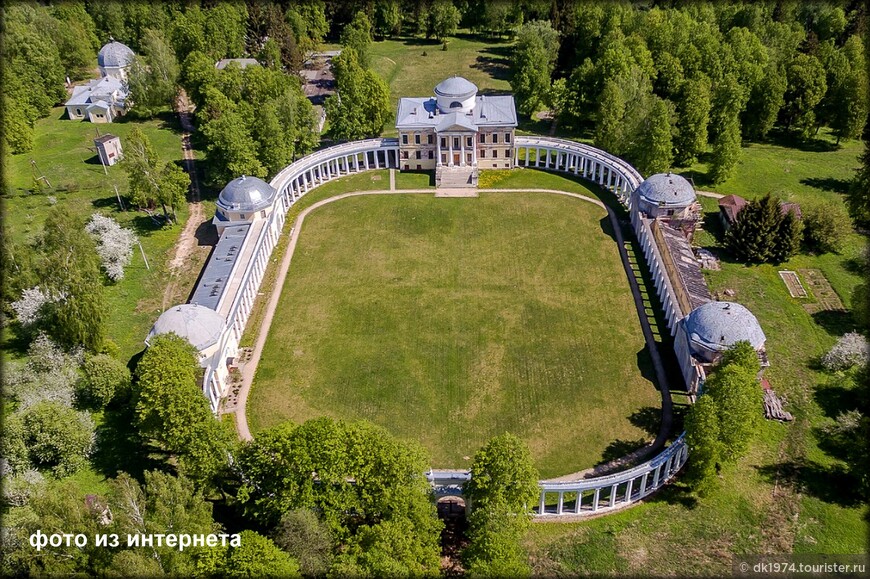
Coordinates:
(451,320)
(63,151)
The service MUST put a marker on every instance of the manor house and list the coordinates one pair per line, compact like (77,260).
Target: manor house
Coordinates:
(456,128)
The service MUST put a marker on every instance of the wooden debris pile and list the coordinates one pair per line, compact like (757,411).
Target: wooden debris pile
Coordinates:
(773,407)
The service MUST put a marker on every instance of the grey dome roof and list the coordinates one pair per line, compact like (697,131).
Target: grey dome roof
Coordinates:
(247,194)
(456,87)
(717,326)
(199,325)
(667,189)
(115,54)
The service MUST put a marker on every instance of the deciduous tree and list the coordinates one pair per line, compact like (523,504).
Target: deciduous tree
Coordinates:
(503,473)
(443,19)
(693,116)
(535,52)
(258,556)
(611,110)
(827,225)
(57,437)
(105,377)
(654,152)
(806,88)
(358,36)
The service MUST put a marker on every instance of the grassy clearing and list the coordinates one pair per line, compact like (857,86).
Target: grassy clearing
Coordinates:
(413,66)
(63,151)
(367,181)
(415,179)
(789,494)
(468,316)
(800,172)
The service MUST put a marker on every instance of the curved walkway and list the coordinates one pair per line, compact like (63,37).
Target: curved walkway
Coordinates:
(250,368)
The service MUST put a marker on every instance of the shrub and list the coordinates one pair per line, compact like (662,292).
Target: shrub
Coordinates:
(18,489)
(851,349)
(826,226)
(58,437)
(104,378)
(49,374)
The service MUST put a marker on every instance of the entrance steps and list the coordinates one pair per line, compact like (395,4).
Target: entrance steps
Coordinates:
(455,177)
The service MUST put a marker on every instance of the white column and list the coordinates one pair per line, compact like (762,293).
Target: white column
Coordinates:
(450,150)
(595,499)
(527,157)
(576,164)
(561,503)
(438,149)
(628,491)
(543,504)
(462,151)
(366,160)
(356,162)
(578,503)
(613,494)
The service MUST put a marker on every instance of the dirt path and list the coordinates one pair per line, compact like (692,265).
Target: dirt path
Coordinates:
(249,370)
(187,242)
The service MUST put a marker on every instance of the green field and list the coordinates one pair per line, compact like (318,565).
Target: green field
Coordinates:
(413,66)
(64,152)
(451,320)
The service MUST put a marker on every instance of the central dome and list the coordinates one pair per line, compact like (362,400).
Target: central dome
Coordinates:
(199,325)
(246,194)
(455,94)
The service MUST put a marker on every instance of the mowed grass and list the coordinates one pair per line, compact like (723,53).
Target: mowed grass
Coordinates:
(449,321)
(64,152)
(410,73)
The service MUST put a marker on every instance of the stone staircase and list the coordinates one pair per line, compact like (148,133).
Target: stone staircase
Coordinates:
(455,177)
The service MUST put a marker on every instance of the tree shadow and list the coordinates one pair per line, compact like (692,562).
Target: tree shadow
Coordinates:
(827,184)
(783,138)
(119,447)
(648,418)
(169,120)
(834,399)
(620,448)
(145,225)
(419,41)
(607,227)
(831,484)
(110,202)
(835,322)
(206,234)
(676,493)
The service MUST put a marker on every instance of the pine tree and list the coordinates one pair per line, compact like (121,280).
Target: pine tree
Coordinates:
(788,238)
(858,197)
(753,236)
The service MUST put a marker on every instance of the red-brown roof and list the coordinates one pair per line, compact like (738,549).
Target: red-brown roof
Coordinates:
(731,205)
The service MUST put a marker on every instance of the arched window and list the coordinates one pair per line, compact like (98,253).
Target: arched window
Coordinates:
(456,105)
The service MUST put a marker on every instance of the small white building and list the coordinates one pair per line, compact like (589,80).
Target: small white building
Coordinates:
(109,149)
(100,101)
(243,200)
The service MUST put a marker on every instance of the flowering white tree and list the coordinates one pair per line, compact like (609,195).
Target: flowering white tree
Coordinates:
(851,349)
(28,309)
(49,374)
(114,244)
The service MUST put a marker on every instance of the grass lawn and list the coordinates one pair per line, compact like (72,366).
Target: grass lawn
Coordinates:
(63,152)
(449,321)
(415,179)
(410,73)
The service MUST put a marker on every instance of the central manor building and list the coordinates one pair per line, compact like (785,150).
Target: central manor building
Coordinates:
(456,129)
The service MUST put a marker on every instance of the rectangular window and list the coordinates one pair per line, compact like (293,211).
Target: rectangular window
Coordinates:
(431,154)
(494,138)
(429,139)
(482,138)
(404,139)
(443,143)
(468,142)
(419,167)
(242,216)
(495,153)
(507,137)
(263,213)
(455,142)
(407,166)
(404,154)
(417,139)
(418,155)
(483,153)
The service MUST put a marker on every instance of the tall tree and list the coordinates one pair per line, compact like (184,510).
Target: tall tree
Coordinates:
(503,473)
(535,52)
(806,88)
(258,556)
(611,110)
(361,106)
(172,411)
(70,267)
(442,20)
(693,111)
(358,36)
(739,403)
(726,151)
(702,437)
(655,147)
(765,102)
(153,182)
(788,238)
(858,196)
